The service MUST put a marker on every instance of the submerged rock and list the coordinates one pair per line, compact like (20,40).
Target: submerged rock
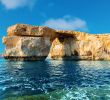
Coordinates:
(26,42)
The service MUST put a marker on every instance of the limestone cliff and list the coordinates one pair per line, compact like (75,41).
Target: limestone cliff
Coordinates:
(26,48)
(26,42)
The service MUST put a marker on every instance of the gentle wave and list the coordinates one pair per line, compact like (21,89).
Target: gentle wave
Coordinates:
(68,80)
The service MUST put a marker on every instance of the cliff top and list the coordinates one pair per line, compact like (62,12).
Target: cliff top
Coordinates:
(36,31)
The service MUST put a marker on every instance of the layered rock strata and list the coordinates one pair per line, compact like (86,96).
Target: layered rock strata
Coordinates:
(26,42)
(26,48)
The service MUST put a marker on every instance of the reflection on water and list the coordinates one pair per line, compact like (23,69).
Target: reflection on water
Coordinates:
(76,78)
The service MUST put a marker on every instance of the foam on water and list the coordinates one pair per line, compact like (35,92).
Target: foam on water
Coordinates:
(58,80)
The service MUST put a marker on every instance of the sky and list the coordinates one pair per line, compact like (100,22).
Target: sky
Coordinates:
(92,16)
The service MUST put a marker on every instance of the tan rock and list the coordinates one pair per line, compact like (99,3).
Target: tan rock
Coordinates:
(26,47)
(81,46)
(34,42)
(60,48)
(32,31)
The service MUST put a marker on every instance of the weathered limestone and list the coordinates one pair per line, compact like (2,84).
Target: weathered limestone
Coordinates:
(26,48)
(31,31)
(25,42)
(81,46)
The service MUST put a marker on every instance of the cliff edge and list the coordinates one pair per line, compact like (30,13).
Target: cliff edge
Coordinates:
(26,42)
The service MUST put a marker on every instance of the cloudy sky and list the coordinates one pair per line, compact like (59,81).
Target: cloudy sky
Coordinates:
(91,16)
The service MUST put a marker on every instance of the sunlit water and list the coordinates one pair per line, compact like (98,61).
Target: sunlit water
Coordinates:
(69,80)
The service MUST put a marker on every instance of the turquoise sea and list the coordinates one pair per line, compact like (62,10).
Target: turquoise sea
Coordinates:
(54,80)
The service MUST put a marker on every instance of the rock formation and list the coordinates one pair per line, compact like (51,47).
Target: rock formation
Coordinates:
(26,42)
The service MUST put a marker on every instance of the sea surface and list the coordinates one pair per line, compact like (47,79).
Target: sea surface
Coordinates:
(54,80)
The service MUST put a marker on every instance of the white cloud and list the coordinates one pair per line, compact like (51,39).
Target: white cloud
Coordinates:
(67,23)
(13,4)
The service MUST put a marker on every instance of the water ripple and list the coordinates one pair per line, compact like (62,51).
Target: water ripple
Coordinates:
(74,80)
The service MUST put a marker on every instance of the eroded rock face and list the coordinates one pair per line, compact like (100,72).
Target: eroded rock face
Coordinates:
(25,42)
(81,46)
(26,48)
(32,31)
(61,48)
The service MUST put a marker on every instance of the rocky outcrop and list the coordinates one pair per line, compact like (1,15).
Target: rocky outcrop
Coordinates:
(26,42)
(26,48)
(30,31)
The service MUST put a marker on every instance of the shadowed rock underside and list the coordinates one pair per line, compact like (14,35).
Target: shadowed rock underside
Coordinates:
(26,42)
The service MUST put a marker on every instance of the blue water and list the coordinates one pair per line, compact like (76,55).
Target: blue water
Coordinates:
(70,80)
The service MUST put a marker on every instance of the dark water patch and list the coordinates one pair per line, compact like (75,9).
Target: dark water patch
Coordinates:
(68,80)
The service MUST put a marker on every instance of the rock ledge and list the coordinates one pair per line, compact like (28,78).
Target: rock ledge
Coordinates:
(26,42)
